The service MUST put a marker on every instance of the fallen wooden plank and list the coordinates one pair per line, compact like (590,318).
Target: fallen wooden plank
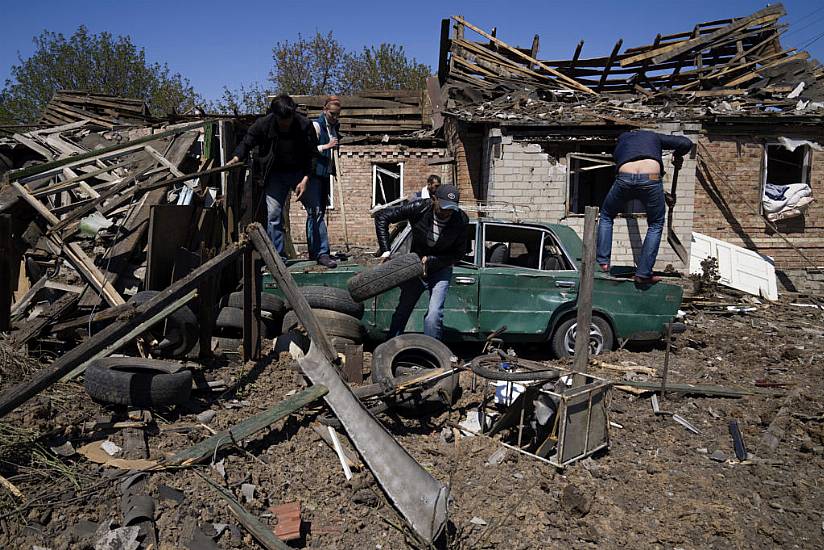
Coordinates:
(32,170)
(207,448)
(697,389)
(22,392)
(31,329)
(259,531)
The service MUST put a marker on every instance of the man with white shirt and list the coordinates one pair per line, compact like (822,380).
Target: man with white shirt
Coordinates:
(327,130)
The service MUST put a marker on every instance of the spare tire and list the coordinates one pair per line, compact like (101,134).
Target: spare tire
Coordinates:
(179,333)
(232,318)
(333,322)
(333,299)
(385,276)
(410,354)
(268,302)
(137,382)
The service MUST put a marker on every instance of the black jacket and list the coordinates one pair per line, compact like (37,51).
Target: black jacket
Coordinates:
(263,133)
(451,245)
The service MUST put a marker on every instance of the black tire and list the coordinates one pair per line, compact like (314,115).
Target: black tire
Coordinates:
(268,302)
(333,299)
(602,338)
(137,382)
(385,276)
(181,328)
(396,356)
(335,324)
(230,317)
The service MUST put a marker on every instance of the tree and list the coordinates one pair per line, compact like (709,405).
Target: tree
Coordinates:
(321,65)
(246,100)
(383,68)
(99,63)
(308,67)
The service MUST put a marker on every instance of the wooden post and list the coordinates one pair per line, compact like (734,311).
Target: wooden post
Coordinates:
(6,257)
(666,361)
(585,291)
(251,307)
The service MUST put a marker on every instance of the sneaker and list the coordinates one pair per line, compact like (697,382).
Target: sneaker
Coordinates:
(604,267)
(326,261)
(646,280)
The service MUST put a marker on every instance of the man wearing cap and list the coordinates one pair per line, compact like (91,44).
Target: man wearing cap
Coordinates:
(439,238)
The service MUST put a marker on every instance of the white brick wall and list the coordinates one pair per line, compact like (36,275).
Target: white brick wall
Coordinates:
(526,177)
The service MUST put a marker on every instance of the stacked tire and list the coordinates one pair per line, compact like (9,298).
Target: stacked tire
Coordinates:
(336,311)
(228,335)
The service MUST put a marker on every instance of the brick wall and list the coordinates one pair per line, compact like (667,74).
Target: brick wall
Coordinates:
(524,175)
(465,144)
(728,196)
(356,169)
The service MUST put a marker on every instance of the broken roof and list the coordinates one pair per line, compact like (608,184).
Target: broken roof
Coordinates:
(730,67)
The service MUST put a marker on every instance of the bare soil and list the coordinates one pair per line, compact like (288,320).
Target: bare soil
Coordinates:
(656,486)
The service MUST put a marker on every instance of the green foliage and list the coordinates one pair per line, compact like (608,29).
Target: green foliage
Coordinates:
(321,65)
(383,68)
(99,63)
(308,66)
(246,100)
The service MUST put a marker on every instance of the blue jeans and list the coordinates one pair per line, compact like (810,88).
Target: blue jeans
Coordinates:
(278,186)
(314,200)
(438,284)
(651,193)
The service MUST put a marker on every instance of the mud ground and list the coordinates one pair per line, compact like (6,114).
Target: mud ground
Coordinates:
(656,487)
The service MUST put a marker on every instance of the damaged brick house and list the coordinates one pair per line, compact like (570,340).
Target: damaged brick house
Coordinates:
(387,153)
(533,139)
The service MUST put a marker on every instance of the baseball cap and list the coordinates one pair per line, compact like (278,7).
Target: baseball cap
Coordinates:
(448,197)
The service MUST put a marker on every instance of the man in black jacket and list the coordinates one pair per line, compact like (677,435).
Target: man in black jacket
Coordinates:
(439,238)
(288,146)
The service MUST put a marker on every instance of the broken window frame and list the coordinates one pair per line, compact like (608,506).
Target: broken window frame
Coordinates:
(376,183)
(547,238)
(599,161)
(806,169)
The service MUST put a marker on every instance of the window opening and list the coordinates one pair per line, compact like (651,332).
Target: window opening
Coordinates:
(387,182)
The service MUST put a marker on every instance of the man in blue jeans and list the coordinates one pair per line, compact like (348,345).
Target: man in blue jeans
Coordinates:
(640,166)
(288,149)
(439,238)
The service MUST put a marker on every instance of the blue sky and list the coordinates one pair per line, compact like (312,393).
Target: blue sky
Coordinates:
(217,43)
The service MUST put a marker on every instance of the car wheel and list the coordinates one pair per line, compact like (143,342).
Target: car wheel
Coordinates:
(333,299)
(335,324)
(181,328)
(137,382)
(601,338)
(385,276)
(411,354)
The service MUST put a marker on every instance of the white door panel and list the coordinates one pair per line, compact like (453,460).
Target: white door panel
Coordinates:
(738,267)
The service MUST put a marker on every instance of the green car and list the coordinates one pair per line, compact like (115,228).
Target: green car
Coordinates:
(524,277)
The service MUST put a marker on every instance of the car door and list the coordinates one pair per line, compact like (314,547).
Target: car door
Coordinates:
(521,290)
(461,308)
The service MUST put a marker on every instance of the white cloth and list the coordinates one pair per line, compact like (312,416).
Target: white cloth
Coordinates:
(425,192)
